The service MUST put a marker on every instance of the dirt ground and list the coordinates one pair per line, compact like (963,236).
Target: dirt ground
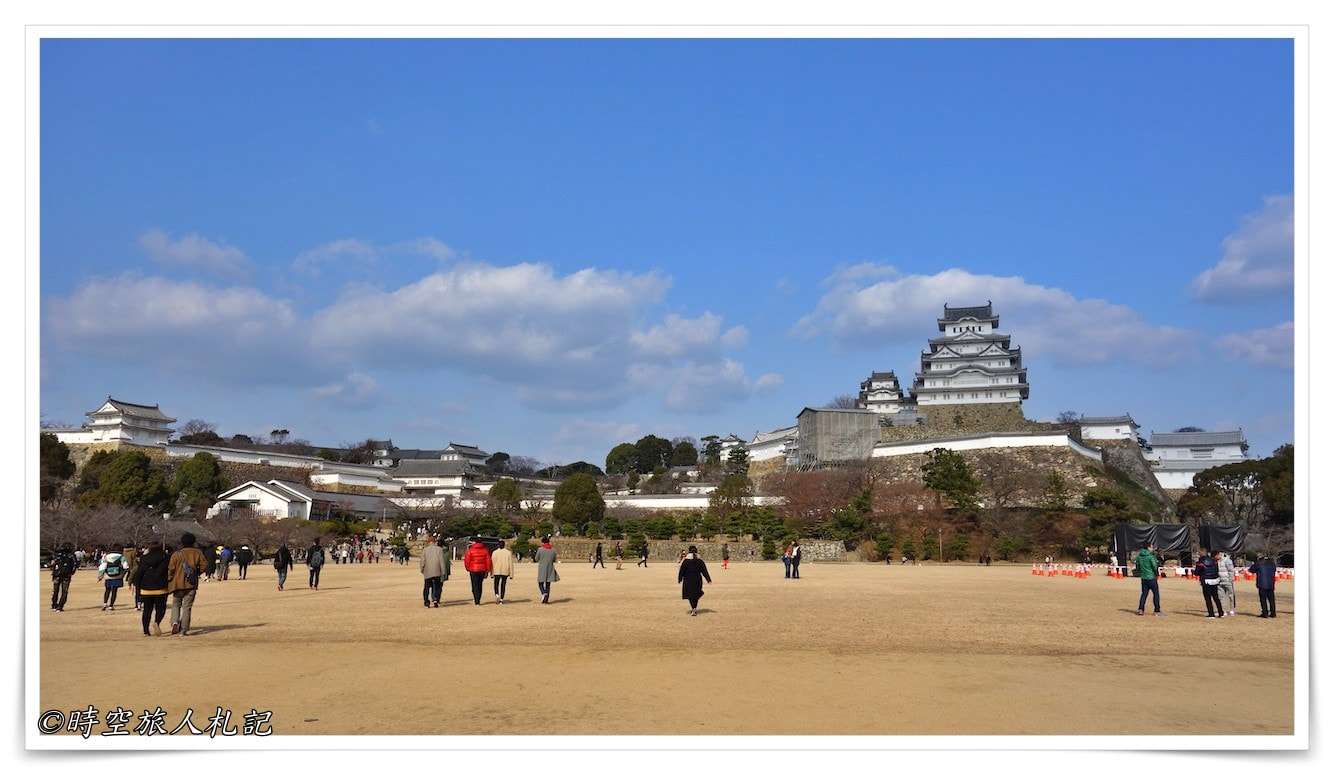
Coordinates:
(848,649)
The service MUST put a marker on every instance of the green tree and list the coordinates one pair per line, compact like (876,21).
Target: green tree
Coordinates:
(884,546)
(621,459)
(199,480)
(1104,507)
(1276,486)
(947,473)
(128,478)
(850,524)
(731,496)
(957,548)
(713,450)
(505,495)
(738,461)
(498,463)
(55,465)
(578,501)
(767,549)
(329,454)
(661,527)
(1055,492)
(684,453)
(651,453)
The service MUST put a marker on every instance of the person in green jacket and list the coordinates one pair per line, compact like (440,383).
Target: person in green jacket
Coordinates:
(1146,567)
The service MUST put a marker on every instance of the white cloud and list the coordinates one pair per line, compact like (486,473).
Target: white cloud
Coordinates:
(194,252)
(560,341)
(1270,347)
(677,337)
(355,391)
(1257,257)
(236,333)
(871,304)
(361,254)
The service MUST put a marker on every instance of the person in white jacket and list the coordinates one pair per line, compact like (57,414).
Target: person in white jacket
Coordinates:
(112,570)
(1226,591)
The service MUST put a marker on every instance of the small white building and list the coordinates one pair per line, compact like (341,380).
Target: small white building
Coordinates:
(1108,428)
(280,499)
(728,443)
(880,392)
(465,453)
(1176,457)
(972,362)
(767,445)
(436,477)
(373,480)
(120,421)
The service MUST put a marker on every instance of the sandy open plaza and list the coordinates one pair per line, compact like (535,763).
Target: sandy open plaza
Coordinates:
(849,648)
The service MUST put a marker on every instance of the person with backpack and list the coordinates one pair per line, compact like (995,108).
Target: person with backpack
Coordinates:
(282,562)
(111,571)
(477,561)
(643,555)
(150,580)
(315,561)
(1265,570)
(244,556)
(184,570)
(64,564)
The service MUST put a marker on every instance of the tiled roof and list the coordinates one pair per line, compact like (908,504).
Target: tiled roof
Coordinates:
(407,468)
(774,435)
(959,313)
(466,449)
(146,411)
(1203,439)
(1123,419)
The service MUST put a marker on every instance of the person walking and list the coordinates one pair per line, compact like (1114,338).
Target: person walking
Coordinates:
(796,560)
(727,555)
(111,571)
(150,579)
(183,571)
(282,563)
(546,569)
(502,567)
(787,561)
(691,576)
(1206,570)
(1227,591)
(64,564)
(244,556)
(597,557)
(433,563)
(618,554)
(211,563)
(131,555)
(1146,567)
(643,555)
(477,561)
(1265,571)
(315,562)
(225,555)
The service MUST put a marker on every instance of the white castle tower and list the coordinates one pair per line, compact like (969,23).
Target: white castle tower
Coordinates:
(971,362)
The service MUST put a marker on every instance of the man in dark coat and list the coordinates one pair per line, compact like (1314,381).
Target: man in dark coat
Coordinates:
(244,556)
(64,564)
(691,576)
(1264,571)
(643,555)
(597,556)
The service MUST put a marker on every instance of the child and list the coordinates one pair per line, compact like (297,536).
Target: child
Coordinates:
(112,571)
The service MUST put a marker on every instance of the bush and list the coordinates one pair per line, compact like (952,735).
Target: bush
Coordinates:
(884,546)
(767,549)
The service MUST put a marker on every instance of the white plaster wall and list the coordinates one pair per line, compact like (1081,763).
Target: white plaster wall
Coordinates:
(987,442)
(1106,432)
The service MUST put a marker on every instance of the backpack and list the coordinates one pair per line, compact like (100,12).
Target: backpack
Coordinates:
(114,568)
(66,564)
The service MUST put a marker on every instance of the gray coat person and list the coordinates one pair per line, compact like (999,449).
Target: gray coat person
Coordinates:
(546,571)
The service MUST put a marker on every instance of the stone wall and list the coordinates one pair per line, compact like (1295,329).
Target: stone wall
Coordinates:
(574,549)
(1031,464)
(1124,456)
(955,420)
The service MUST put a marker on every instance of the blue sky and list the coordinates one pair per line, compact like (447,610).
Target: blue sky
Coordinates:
(547,247)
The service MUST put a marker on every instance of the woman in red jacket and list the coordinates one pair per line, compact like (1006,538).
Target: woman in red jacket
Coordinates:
(477,561)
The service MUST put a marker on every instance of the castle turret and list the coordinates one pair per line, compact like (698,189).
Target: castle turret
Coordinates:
(972,362)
